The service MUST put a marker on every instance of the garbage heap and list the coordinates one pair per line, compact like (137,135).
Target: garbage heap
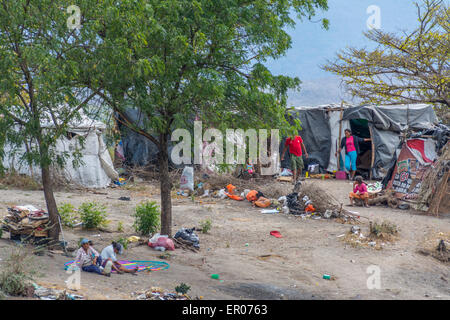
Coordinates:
(156,293)
(24,222)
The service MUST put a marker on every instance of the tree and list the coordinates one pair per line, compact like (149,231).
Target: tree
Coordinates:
(180,59)
(408,68)
(40,59)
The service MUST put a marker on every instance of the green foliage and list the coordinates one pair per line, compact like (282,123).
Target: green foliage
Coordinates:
(182,288)
(93,215)
(17,274)
(120,227)
(147,218)
(68,214)
(123,242)
(205,225)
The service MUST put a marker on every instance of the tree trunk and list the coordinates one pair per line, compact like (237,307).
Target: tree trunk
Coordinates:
(166,186)
(51,204)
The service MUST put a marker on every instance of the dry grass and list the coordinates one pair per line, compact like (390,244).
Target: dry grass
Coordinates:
(19,181)
(429,245)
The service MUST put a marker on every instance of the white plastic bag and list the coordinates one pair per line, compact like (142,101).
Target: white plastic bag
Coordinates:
(187,179)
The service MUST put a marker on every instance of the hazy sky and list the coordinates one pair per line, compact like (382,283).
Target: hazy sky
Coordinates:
(312,45)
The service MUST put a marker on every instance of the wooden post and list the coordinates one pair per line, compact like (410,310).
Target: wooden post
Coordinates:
(340,137)
(373,153)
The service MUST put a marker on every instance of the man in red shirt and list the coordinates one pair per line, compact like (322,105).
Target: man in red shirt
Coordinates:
(295,149)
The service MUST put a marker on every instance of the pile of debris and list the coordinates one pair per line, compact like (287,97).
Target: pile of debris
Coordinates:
(26,222)
(156,293)
(53,294)
(435,188)
(310,201)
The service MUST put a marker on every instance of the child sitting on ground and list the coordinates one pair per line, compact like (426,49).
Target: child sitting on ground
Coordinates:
(359,192)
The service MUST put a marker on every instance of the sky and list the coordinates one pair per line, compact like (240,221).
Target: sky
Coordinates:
(312,45)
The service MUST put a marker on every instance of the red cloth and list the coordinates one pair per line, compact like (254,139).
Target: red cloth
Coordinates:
(350,145)
(295,145)
(362,188)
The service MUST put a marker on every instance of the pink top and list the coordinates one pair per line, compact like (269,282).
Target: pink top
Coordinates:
(350,145)
(362,188)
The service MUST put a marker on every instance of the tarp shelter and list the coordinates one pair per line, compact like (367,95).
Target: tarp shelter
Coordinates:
(96,169)
(323,125)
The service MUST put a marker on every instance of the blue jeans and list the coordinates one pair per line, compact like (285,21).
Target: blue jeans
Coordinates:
(93,268)
(350,161)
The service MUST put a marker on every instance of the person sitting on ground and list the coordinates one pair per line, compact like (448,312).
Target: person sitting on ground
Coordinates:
(359,192)
(109,255)
(87,258)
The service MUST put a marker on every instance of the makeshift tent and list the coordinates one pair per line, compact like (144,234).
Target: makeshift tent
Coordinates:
(96,169)
(323,125)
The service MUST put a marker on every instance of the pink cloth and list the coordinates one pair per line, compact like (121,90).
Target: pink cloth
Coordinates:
(350,145)
(362,188)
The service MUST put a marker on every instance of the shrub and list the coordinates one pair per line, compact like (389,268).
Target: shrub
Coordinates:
(67,213)
(147,218)
(93,215)
(17,275)
(205,225)
(123,242)
(383,229)
(120,227)
(182,288)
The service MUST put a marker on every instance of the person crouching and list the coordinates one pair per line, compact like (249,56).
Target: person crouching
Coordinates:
(359,192)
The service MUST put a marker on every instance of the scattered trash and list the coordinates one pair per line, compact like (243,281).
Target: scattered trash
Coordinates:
(187,179)
(270,211)
(24,222)
(156,293)
(125,198)
(286,173)
(215,276)
(328,277)
(372,243)
(355,229)
(133,239)
(53,294)
(246,244)
(328,214)
(404,206)
(276,234)
(189,236)
(161,241)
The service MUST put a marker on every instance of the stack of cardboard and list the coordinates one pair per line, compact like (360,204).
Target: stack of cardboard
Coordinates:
(26,220)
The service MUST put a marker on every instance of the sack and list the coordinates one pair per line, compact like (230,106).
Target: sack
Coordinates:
(188,235)
(231,189)
(263,202)
(187,179)
(161,241)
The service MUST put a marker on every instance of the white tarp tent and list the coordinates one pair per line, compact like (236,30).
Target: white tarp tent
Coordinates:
(96,169)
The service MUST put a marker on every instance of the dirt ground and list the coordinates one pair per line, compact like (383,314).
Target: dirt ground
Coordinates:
(308,249)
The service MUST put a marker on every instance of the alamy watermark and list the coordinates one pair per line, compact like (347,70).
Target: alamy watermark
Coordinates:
(374,20)
(74,20)
(374,280)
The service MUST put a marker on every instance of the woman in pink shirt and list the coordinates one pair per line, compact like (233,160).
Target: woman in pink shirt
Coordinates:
(359,192)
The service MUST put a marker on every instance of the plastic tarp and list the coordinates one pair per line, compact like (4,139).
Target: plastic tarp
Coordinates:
(396,117)
(315,133)
(139,150)
(96,169)
(334,119)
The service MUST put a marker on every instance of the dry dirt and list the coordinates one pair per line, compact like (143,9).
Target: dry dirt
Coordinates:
(267,268)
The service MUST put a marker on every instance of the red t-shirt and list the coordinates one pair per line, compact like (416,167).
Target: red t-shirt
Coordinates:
(295,145)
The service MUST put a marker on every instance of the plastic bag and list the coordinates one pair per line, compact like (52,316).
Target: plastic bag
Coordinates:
(188,235)
(263,202)
(187,179)
(161,241)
